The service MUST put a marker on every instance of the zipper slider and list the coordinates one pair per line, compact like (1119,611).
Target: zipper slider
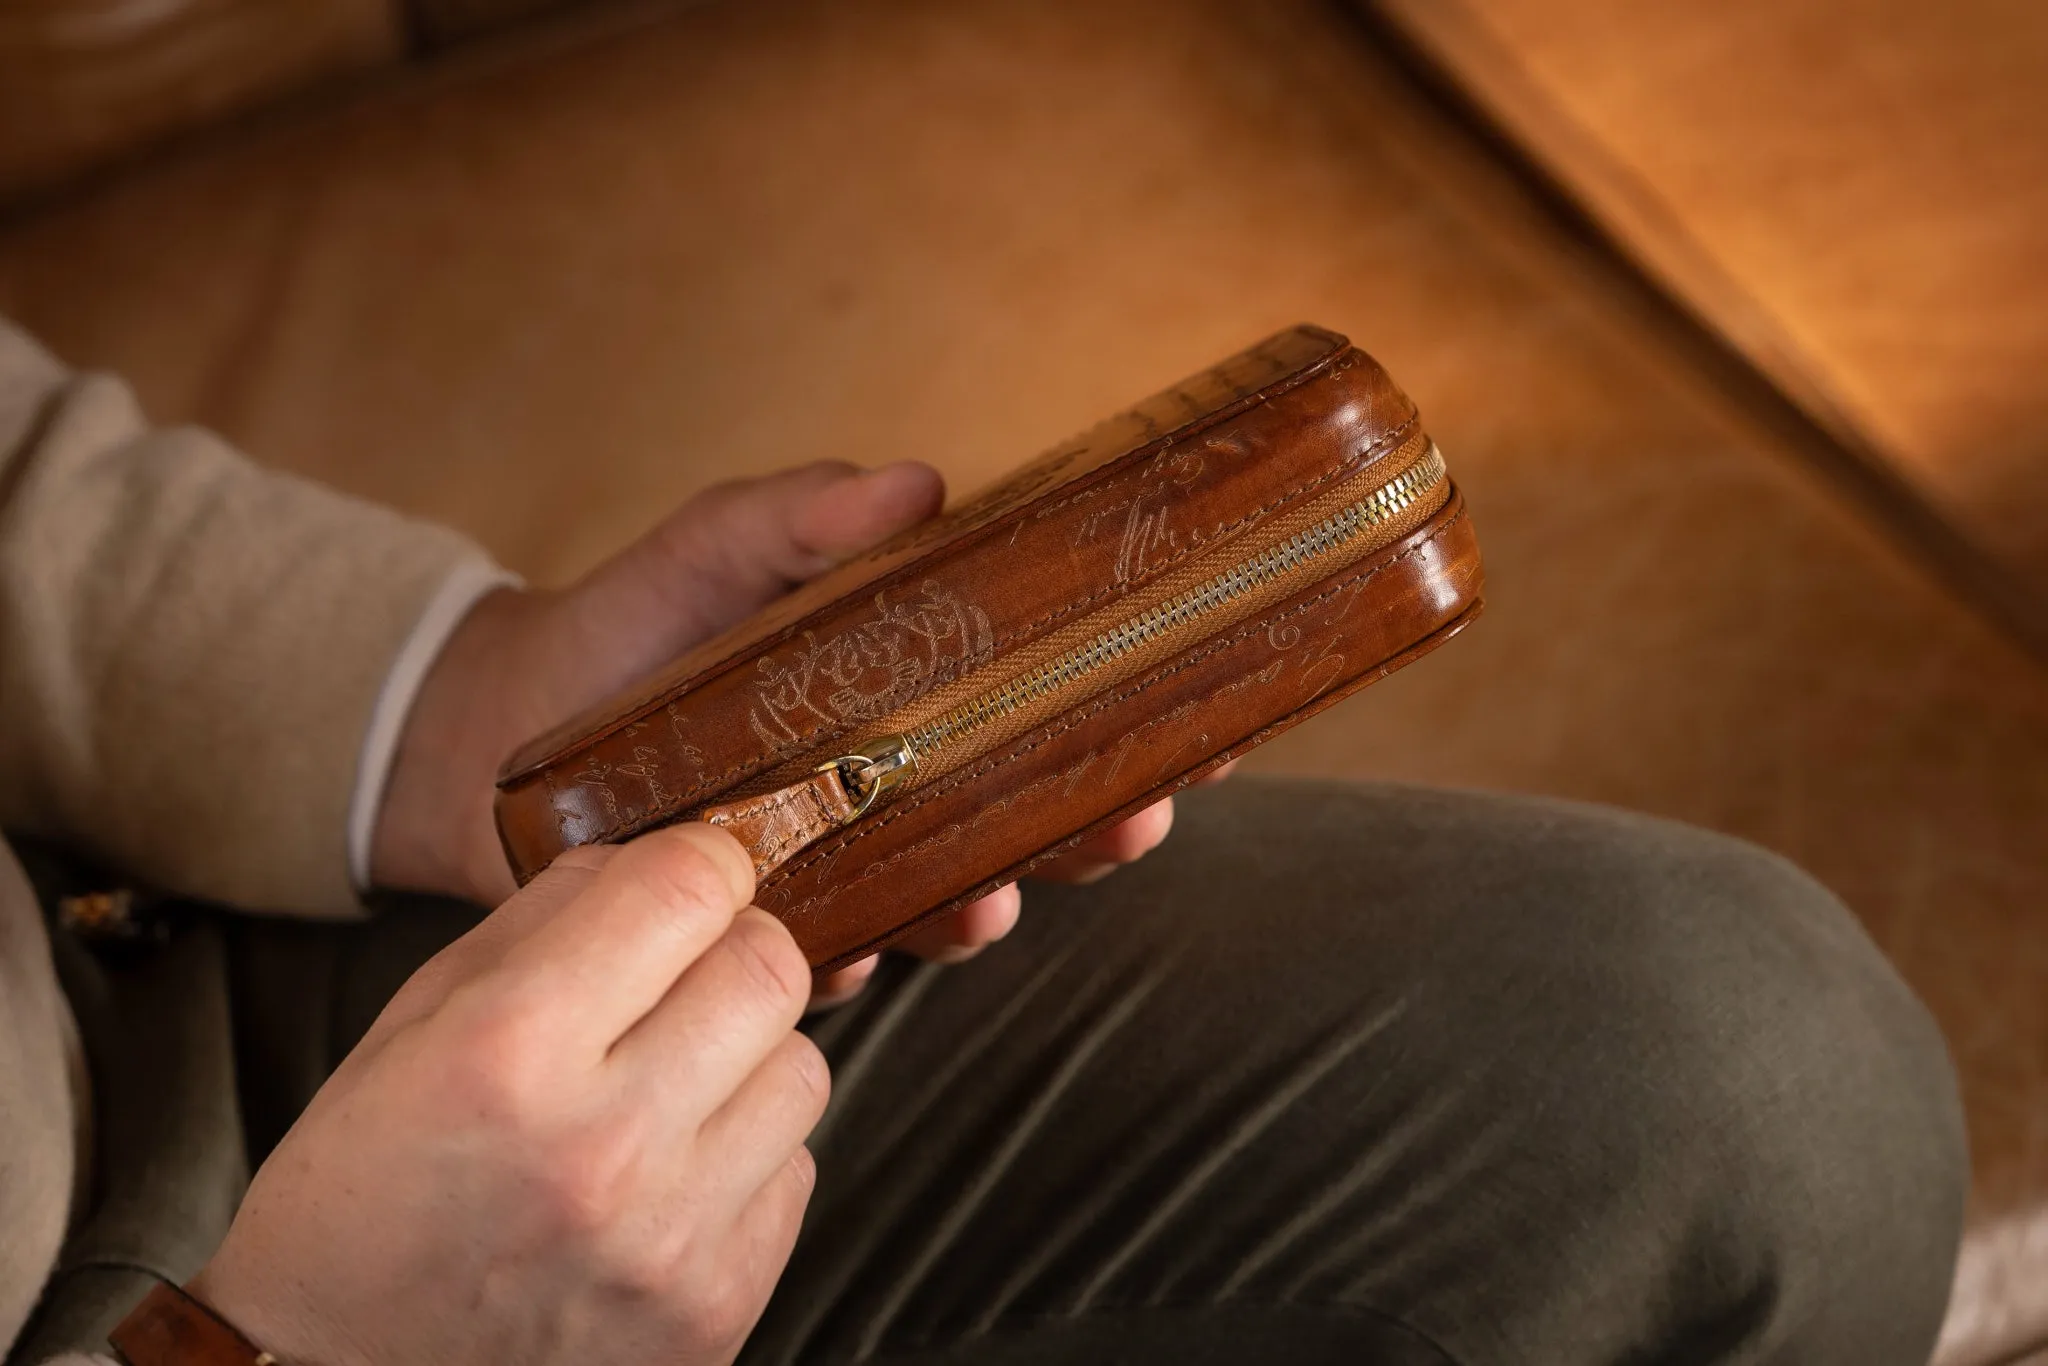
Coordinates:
(874,768)
(776,826)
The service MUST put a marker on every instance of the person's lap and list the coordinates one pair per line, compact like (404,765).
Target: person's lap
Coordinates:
(1339,1074)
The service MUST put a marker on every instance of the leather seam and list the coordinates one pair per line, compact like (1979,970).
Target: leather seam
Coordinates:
(775,851)
(781,797)
(989,764)
(1331,363)
(1229,529)
(1393,440)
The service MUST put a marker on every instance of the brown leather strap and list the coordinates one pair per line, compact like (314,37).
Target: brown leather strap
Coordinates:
(777,825)
(170,1328)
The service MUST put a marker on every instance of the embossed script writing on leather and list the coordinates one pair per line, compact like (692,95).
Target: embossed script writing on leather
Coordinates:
(1119,616)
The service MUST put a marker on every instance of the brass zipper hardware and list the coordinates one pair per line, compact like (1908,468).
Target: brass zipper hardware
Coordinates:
(935,745)
(876,767)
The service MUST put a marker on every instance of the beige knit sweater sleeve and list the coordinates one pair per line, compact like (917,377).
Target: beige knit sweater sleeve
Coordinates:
(190,652)
(190,646)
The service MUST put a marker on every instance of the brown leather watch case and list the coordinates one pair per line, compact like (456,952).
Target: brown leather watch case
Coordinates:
(931,720)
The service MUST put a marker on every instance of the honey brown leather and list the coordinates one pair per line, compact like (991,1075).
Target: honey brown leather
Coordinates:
(775,825)
(735,732)
(170,1328)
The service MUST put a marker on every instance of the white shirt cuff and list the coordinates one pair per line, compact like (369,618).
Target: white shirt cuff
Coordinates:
(443,613)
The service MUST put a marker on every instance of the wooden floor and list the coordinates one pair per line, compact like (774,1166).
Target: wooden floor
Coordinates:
(555,291)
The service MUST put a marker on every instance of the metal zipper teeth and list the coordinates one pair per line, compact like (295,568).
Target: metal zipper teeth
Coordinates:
(1340,529)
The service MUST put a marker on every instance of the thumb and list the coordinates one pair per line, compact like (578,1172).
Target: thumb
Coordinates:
(735,546)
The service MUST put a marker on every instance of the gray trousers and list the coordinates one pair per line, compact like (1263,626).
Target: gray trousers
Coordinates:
(1340,1074)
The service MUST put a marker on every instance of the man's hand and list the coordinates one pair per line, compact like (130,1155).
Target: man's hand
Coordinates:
(575,1136)
(523,661)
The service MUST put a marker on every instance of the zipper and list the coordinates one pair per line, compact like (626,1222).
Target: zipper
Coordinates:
(958,723)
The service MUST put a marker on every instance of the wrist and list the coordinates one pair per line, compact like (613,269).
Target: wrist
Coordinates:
(434,830)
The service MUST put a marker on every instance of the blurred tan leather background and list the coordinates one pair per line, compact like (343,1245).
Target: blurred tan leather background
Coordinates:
(1730,319)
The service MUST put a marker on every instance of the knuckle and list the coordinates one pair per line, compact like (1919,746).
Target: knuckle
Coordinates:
(1149,828)
(725,1308)
(1006,909)
(803,1171)
(724,1299)
(581,859)
(825,471)
(432,981)
(695,866)
(656,1261)
(679,878)
(984,922)
(763,948)
(564,879)
(587,1181)
(499,1064)
(808,1070)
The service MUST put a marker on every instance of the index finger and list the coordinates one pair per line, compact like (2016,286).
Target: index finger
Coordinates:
(610,953)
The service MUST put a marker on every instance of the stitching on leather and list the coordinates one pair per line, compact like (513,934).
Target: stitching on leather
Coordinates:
(773,854)
(747,768)
(990,763)
(781,797)
(1228,528)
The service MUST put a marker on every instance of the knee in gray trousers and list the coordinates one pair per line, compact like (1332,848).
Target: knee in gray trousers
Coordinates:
(1391,1074)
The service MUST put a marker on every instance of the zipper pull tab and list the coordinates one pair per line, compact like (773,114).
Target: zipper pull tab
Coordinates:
(776,826)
